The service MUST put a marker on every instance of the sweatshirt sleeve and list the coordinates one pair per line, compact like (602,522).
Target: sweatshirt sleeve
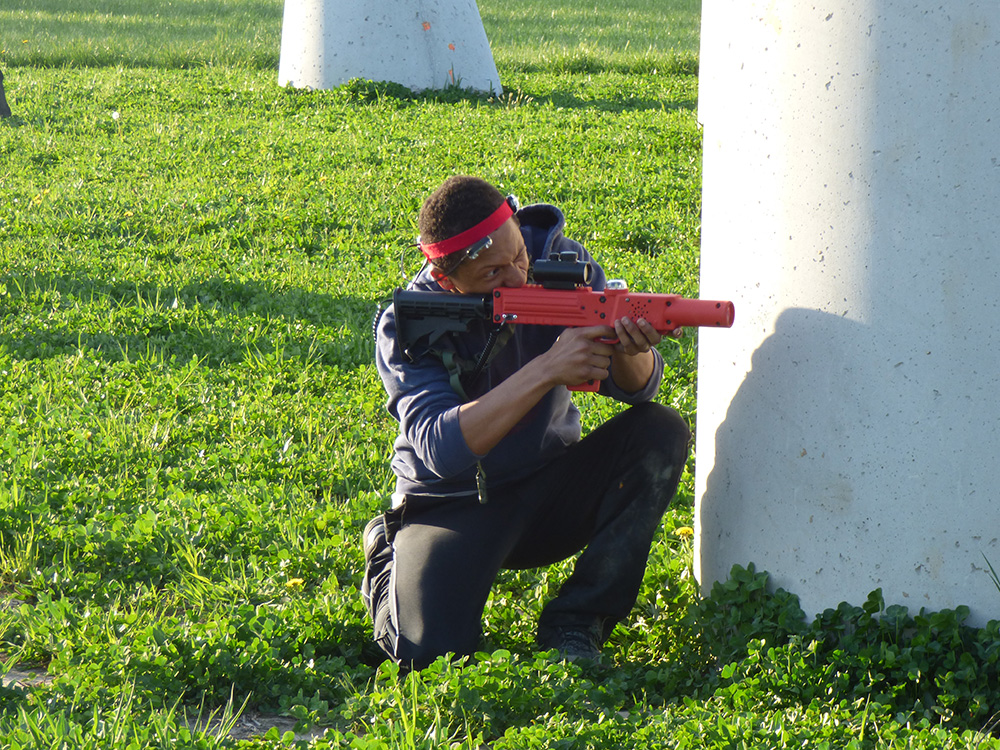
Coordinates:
(647,393)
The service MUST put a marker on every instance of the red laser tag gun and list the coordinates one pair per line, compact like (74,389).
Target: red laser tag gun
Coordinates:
(559,295)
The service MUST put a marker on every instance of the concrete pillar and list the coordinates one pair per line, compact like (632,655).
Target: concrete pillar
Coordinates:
(848,433)
(428,44)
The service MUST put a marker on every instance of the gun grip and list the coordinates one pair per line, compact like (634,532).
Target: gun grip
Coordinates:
(593,386)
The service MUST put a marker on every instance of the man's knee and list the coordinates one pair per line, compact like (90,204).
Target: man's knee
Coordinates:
(661,431)
(417,655)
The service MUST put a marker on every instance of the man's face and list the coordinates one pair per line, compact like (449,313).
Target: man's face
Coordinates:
(504,263)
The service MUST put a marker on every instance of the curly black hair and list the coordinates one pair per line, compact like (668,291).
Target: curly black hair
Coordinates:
(458,204)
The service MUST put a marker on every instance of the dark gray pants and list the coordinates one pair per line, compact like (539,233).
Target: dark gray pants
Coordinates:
(606,496)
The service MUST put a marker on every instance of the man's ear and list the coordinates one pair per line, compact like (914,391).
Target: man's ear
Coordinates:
(442,279)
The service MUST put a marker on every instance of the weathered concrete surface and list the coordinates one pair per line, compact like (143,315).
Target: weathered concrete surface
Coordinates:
(847,433)
(421,45)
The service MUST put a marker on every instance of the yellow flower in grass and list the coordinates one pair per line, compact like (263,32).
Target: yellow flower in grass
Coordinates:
(684,532)
(294,583)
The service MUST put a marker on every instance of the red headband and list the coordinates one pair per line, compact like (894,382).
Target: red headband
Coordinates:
(471,235)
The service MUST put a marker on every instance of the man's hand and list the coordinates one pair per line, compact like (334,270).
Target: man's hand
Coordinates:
(632,364)
(636,336)
(580,355)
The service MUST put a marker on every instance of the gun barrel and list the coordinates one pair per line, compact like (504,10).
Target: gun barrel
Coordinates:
(681,313)
(585,307)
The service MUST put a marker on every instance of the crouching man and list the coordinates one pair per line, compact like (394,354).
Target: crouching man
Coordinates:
(491,471)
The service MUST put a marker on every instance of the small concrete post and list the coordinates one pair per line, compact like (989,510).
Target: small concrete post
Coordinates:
(848,432)
(4,107)
(422,45)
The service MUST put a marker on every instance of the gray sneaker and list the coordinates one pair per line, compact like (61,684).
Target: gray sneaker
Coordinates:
(574,645)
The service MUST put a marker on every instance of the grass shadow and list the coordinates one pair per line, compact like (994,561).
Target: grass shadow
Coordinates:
(360,92)
(217,320)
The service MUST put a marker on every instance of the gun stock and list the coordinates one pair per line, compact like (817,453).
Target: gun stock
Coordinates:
(430,315)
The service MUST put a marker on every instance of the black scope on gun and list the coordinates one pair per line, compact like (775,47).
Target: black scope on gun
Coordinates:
(562,271)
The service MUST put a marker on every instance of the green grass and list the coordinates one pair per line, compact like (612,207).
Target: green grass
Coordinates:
(564,34)
(191,427)
(168,34)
